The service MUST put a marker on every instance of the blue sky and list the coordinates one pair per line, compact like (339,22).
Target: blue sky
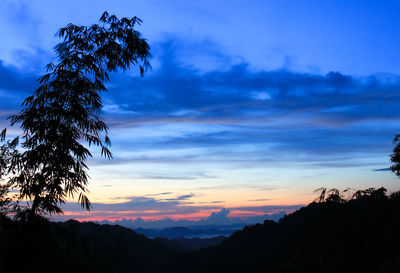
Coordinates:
(249,104)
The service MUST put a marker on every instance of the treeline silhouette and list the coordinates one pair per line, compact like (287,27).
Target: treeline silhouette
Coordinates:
(361,234)
(331,234)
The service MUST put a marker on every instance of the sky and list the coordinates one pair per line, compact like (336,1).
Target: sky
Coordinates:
(248,108)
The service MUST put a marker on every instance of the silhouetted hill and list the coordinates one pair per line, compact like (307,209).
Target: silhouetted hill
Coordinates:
(75,246)
(359,235)
(355,235)
(118,247)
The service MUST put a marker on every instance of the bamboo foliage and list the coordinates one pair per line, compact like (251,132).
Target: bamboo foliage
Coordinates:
(64,113)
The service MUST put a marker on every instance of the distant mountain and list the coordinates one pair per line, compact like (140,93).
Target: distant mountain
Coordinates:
(188,244)
(189,232)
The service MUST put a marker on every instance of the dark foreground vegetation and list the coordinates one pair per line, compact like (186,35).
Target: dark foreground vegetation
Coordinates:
(361,234)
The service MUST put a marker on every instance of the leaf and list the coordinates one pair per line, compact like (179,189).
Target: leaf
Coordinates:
(106,152)
(14,142)
(84,201)
(107,141)
(104,17)
(3,134)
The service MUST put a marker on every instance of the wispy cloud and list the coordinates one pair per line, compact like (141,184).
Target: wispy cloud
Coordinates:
(169,208)
(240,94)
(180,197)
(249,107)
(382,170)
(158,194)
(171,176)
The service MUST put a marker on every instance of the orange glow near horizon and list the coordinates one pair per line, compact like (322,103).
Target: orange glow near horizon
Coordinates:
(155,215)
(165,203)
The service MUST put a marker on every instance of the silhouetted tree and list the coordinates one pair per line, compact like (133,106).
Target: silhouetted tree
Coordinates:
(8,156)
(371,193)
(395,157)
(335,196)
(64,112)
(331,196)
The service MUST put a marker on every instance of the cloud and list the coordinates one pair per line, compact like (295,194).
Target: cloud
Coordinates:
(15,86)
(383,170)
(181,197)
(211,202)
(283,110)
(169,177)
(218,218)
(244,115)
(267,208)
(143,206)
(135,208)
(214,219)
(177,91)
(158,194)
(176,176)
